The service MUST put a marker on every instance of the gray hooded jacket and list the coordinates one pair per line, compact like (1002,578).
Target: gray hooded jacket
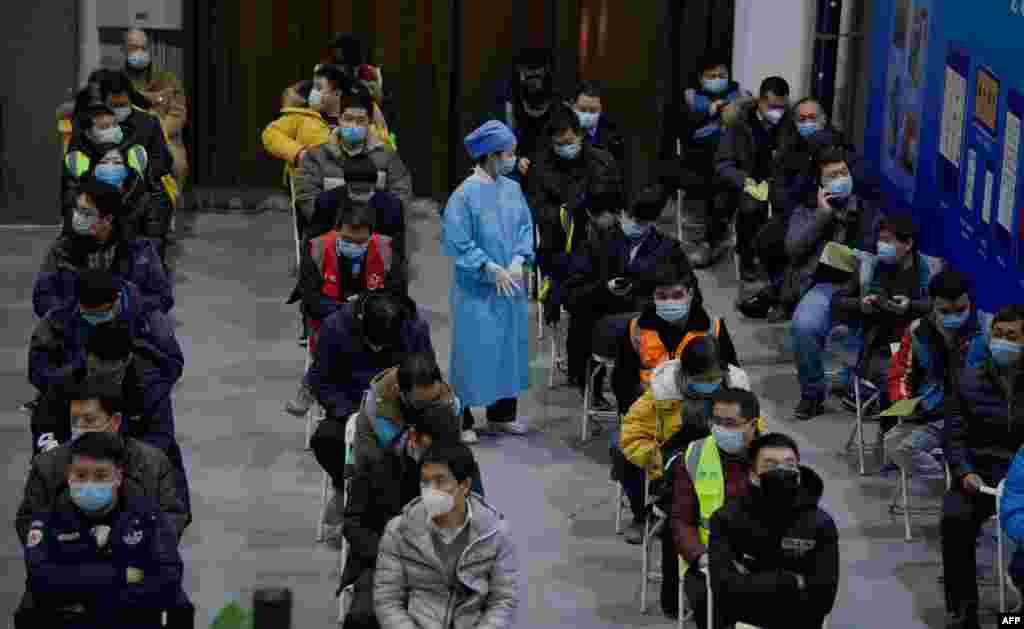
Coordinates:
(413,591)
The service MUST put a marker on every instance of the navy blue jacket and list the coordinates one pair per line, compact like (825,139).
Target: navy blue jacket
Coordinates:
(135,261)
(990,425)
(344,365)
(66,567)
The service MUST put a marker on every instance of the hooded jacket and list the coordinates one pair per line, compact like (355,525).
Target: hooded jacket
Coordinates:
(345,365)
(641,443)
(747,148)
(135,261)
(755,548)
(295,129)
(413,591)
(147,472)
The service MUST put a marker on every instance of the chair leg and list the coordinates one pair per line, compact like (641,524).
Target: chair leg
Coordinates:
(1000,566)
(681,622)
(711,603)
(323,510)
(540,321)
(904,482)
(587,393)
(679,215)
(644,579)
(554,361)
(860,422)
(618,508)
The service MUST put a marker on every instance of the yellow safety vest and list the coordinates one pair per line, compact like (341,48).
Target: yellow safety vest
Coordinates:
(569,225)
(705,469)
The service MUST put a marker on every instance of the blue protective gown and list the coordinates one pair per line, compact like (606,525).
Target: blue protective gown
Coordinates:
(487,221)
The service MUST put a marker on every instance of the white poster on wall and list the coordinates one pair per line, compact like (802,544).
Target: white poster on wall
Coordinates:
(1008,182)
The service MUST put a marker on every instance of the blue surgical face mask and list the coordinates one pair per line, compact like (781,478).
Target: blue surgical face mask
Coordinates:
(113,174)
(1005,353)
(840,187)
(138,60)
(568,151)
(351,250)
(702,388)
(110,135)
(809,128)
(715,86)
(588,120)
(83,223)
(632,229)
(672,310)
(506,165)
(316,98)
(90,496)
(99,318)
(887,253)
(955,321)
(387,430)
(122,113)
(353,136)
(728,440)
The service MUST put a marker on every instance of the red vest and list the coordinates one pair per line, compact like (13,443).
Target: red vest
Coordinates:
(324,250)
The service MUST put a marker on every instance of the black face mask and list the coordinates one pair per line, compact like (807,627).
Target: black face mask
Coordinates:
(780,485)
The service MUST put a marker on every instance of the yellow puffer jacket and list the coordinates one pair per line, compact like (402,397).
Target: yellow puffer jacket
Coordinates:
(640,441)
(294,130)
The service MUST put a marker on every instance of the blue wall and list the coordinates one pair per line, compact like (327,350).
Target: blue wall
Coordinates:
(921,49)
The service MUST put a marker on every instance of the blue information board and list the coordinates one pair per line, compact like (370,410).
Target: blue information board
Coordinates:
(944,132)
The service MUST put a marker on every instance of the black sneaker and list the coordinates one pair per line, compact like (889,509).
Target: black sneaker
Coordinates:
(808,408)
(30,406)
(757,306)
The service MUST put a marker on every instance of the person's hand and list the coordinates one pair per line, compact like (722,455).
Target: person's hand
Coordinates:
(715,107)
(703,561)
(801,583)
(971,483)
(823,200)
(101,532)
(619,286)
(502,280)
(869,305)
(523,165)
(516,270)
(134,576)
(300,155)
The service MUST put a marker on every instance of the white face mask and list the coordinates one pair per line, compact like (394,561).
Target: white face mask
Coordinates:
(437,502)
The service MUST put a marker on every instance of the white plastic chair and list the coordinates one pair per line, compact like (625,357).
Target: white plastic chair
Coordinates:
(1000,567)
(900,504)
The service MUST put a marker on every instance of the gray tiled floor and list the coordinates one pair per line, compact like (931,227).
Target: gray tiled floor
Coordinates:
(255,492)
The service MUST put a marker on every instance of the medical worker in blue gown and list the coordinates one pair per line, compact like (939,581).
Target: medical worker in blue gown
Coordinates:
(488,233)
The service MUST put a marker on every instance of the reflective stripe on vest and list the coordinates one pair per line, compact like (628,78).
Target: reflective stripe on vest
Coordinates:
(704,466)
(651,351)
(569,226)
(77,163)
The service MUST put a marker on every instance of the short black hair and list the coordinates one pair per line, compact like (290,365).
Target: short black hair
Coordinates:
(810,99)
(382,316)
(303,88)
(712,59)
(335,75)
(88,102)
(437,422)
(1010,313)
(97,287)
(772,440)
(592,89)
(701,354)
(418,370)
(357,96)
(831,155)
(534,58)
(351,48)
(950,285)
(563,119)
(111,343)
(606,199)
(102,446)
(649,203)
(114,82)
(774,85)
(108,199)
(91,387)
(674,269)
(457,456)
(357,214)
(746,400)
(901,225)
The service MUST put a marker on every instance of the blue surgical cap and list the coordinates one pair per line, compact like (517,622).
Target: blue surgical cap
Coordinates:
(490,137)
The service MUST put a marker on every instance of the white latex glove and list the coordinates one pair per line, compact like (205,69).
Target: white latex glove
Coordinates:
(502,279)
(516,269)
(102,533)
(702,561)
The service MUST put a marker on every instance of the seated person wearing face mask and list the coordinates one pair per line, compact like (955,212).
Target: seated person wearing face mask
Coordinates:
(598,129)
(560,190)
(663,330)
(526,104)
(338,267)
(468,576)
(95,405)
(382,486)
(980,440)
(351,159)
(614,271)
(705,474)
(745,160)
(358,341)
(773,553)
(299,127)
(99,242)
(706,111)
(895,295)
(102,555)
(841,217)
(932,348)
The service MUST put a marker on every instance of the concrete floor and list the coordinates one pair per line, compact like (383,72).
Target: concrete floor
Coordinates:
(256,491)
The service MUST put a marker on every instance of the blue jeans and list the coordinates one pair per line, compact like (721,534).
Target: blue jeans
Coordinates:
(812,322)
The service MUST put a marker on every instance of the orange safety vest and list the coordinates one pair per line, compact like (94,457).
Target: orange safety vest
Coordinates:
(652,352)
(324,251)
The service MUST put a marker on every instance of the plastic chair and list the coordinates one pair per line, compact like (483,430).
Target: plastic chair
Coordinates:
(857,432)
(900,504)
(680,195)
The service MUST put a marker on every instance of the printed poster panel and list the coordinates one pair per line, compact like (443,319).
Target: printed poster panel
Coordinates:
(951,134)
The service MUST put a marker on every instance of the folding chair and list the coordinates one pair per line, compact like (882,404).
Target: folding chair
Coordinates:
(558,358)
(653,525)
(595,364)
(900,504)
(620,506)
(857,432)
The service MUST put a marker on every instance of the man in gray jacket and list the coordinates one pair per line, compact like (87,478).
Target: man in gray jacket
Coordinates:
(96,407)
(353,163)
(448,560)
